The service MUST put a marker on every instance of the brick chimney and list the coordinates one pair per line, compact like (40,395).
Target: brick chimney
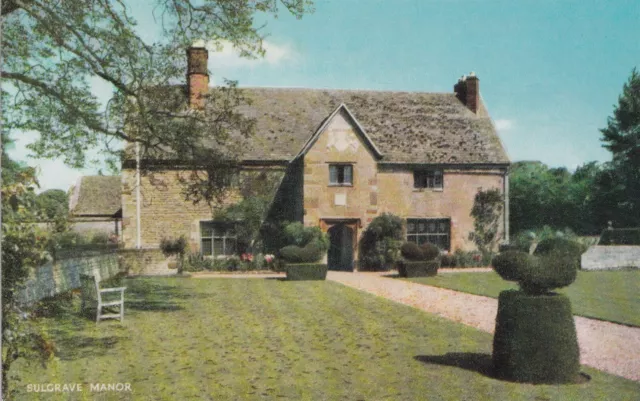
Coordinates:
(197,76)
(468,91)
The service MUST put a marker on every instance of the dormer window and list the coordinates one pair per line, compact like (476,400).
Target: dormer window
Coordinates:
(427,179)
(341,174)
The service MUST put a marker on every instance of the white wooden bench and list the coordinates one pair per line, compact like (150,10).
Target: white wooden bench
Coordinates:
(101,297)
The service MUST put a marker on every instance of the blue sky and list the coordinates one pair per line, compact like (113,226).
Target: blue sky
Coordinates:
(550,71)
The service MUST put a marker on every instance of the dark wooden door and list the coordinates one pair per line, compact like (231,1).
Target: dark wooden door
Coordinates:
(340,255)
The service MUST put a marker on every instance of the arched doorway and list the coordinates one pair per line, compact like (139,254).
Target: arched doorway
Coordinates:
(340,255)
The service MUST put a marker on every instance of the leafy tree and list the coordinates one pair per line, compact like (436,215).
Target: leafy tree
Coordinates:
(541,196)
(53,203)
(619,184)
(52,50)
(486,212)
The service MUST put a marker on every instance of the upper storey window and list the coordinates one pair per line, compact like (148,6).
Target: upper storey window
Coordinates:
(341,174)
(428,179)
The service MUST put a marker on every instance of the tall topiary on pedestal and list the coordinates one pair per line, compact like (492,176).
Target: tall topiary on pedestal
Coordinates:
(535,337)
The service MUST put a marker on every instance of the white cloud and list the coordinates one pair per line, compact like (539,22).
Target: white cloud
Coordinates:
(225,55)
(503,125)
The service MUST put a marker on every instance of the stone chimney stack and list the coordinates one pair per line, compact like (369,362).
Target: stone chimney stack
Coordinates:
(468,91)
(197,76)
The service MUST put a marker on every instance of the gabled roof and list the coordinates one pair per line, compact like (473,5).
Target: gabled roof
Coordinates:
(405,127)
(361,132)
(96,196)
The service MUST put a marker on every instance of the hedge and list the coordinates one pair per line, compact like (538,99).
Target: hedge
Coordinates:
(423,268)
(306,271)
(535,339)
(620,236)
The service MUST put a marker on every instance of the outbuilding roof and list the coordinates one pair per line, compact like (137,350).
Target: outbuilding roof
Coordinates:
(96,195)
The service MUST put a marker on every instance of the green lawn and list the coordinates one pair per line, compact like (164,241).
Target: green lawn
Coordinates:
(605,295)
(255,339)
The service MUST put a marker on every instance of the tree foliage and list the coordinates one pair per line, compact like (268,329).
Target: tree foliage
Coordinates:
(52,53)
(379,245)
(619,185)
(594,194)
(53,203)
(23,247)
(541,196)
(53,50)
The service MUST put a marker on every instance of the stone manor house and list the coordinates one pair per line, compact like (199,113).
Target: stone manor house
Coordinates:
(344,157)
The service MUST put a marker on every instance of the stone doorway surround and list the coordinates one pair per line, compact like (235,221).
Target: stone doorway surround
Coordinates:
(354,224)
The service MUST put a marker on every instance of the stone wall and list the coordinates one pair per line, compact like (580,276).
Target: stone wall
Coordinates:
(599,257)
(339,143)
(379,188)
(64,275)
(136,262)
(164,210)
(453,201)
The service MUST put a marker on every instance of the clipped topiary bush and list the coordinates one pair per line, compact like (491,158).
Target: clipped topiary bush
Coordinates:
(311,253)
(297,234)
(535,336)
(535,339)
(302,257)
(430,251)
(414,252)
(306,271)
(550,271)
(411,251)
(512,265)
(537,274)
(421,268)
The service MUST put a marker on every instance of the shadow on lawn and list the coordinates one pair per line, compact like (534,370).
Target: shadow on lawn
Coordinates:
(77,347)
(475,362)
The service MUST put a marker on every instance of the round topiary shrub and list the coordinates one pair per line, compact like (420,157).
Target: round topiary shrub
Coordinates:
(414,252)
(550,271)
(411,251)
(512,265)
(430,251)
(311,253)
(562,246)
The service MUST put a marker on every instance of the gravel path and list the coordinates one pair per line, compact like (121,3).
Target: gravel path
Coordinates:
(609,347)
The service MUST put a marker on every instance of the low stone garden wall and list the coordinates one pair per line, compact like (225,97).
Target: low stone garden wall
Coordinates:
(606,257)
(64,275)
